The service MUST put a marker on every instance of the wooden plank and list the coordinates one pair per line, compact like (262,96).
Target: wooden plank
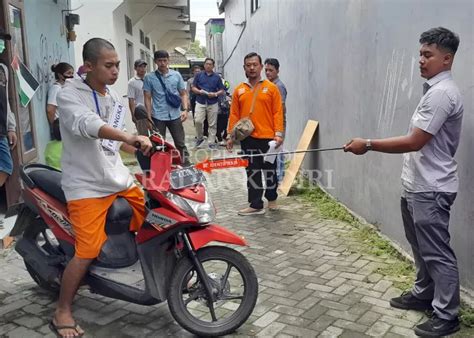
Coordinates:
(295,164)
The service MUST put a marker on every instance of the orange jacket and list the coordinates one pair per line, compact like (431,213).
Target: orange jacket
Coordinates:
(267,114)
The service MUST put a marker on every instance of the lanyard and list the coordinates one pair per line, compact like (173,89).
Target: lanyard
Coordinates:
(96,100)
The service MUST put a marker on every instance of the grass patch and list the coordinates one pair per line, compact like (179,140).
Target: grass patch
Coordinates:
(328,206)
(400,270)
(466,315)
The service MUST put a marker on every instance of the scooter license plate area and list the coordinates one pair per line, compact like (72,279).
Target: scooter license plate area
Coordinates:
(186,177)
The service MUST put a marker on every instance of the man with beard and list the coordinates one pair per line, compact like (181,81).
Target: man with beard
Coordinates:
(260,100)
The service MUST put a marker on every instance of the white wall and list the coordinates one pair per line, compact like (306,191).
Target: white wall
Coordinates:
(353,66)
(106,19)
(47,45)
(96,22)
(121,44)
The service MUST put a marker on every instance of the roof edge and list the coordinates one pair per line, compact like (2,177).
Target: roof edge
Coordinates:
(222,5)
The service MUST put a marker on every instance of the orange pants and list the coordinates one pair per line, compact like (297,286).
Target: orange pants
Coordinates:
(88,217)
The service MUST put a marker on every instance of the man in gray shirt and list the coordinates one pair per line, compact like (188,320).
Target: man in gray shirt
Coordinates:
(272,69)
(135,88)
(430,182)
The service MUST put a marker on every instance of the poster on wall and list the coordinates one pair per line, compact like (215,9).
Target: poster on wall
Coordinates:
(27,84)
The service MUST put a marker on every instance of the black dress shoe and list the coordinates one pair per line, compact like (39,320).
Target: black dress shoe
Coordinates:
(437,327)
(409,302)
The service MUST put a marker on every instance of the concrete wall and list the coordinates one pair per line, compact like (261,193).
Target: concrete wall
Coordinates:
(47,45)
(353,66)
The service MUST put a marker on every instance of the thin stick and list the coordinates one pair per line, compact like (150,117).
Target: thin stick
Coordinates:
(281,152)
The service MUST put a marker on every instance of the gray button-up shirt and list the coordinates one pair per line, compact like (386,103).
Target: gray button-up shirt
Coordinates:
(439,113)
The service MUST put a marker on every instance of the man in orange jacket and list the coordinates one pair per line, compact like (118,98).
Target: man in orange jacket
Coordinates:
(267,117)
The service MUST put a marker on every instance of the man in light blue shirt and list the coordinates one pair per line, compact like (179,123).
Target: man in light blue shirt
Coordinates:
(161,112)
(430,182)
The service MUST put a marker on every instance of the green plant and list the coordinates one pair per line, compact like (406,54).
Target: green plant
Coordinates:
(327,205)
(400,269)
(466,315)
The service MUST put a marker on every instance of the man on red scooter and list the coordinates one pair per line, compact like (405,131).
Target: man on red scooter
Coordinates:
(94,175)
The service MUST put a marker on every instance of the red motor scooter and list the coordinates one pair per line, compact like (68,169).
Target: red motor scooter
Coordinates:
(211,290)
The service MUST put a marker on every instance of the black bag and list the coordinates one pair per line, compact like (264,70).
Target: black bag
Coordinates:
(224,105)
(172,99)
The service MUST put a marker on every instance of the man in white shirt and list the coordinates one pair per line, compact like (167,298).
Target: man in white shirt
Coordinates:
(135,87)
(93,172)
(430,185)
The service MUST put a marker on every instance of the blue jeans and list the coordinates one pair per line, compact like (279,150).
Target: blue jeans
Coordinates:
(6,162)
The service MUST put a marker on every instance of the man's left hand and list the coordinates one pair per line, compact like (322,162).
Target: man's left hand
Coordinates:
(356,146)
(278,140)
(12,139)
(184,115)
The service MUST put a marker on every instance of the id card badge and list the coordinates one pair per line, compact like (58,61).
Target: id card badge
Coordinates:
(116,120)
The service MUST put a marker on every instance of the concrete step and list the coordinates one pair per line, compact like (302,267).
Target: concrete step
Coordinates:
(6,225)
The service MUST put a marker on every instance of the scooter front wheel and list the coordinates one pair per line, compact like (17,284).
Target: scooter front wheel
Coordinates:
(234,287)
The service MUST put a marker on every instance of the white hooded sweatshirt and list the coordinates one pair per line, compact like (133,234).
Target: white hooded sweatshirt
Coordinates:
(89,170)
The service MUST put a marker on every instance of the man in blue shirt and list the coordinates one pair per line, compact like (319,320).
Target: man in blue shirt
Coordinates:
(208,87)
(161,112)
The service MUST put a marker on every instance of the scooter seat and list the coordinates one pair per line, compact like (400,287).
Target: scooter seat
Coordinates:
(118,216)
(50,182)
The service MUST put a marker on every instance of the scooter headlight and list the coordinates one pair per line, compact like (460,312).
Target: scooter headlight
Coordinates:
(204,212)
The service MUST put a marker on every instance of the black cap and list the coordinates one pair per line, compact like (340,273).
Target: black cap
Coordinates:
(4,35)
(139,63)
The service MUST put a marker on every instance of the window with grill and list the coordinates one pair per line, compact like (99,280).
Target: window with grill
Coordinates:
(128,25)
(142,37)
(147,42)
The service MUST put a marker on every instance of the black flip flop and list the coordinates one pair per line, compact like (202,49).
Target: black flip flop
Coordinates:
(55,328)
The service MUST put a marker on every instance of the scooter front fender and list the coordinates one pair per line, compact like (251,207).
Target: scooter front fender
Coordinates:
(214,233)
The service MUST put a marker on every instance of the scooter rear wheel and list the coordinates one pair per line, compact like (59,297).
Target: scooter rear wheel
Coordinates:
(234,286)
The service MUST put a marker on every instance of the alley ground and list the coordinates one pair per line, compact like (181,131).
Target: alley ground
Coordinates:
(311,282)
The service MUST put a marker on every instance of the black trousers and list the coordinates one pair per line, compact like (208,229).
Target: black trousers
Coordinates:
(177,133)
(256,168)
(222,120)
